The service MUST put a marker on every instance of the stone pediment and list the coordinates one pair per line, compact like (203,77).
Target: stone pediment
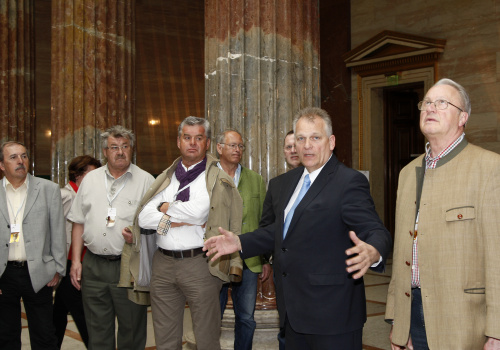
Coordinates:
(389,52)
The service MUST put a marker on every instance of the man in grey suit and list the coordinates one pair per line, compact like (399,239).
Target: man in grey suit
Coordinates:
(32,250)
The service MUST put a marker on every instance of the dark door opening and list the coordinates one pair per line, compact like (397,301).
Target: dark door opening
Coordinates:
(403,142)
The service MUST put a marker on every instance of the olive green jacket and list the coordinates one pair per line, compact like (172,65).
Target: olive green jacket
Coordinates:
(253,191)
(226,207)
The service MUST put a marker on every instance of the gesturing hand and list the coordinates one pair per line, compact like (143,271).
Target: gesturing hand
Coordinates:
(226,243)
(366,256)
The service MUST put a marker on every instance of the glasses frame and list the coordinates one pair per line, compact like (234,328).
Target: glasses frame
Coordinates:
(115,149)
(234,146)
(421,104)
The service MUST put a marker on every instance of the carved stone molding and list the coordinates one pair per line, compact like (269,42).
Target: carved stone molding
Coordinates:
(390,52)
(405,57)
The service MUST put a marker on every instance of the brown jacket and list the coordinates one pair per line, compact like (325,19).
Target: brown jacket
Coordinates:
(226,208)
(458,251)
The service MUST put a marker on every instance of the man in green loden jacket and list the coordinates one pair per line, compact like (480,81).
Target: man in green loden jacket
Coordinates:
(252,189)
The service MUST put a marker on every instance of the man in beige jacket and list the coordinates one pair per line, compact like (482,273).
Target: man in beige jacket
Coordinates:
(186,204)
(445,287)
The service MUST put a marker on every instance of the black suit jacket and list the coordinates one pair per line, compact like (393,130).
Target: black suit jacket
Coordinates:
(313,287)
(271,202)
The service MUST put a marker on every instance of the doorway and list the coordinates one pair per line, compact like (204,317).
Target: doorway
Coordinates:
(403,142)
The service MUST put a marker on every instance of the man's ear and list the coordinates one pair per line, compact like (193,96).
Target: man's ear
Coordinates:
(464,117)
(331,140)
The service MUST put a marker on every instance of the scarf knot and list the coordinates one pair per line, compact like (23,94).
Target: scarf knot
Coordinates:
(186,177)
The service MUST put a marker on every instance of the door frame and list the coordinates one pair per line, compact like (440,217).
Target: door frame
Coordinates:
(368,128)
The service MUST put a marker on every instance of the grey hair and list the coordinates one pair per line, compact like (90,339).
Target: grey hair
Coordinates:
(11,143)
(311,113)
(191,121)
(461,90)
(222,136)
(117,131)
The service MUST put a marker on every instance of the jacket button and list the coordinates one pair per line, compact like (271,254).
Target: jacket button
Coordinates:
(284,274)
(284,250)
(8,226)
(408,263)
(459,216)
(407,294)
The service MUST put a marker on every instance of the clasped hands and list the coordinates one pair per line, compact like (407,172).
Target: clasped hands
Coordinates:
(362,255)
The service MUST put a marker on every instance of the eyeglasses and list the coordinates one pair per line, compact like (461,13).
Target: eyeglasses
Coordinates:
(116,148)
(234,146)
(439,104)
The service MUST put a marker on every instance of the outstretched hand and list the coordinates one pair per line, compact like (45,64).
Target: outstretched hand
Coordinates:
(224,244)
(365,256)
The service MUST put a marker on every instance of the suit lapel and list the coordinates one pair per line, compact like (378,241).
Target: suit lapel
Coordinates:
(33,191)
(3,203)
(315,189)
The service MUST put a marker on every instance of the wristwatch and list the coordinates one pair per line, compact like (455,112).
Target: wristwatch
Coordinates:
(159,207)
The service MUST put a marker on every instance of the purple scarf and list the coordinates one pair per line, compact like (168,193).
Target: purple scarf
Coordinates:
(186,177)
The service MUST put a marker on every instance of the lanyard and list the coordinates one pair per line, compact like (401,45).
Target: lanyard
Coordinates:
(110,200)
(10,204)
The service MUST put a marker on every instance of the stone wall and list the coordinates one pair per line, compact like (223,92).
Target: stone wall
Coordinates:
(471,56)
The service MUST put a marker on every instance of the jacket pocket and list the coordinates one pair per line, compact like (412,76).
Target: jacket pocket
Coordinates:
(461,213)
(47,258)
(330,279)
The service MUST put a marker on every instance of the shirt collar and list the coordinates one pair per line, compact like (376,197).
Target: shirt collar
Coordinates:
(129,171)
(7,183)
(313,175)
(431,162)
(237,174)
(192,166)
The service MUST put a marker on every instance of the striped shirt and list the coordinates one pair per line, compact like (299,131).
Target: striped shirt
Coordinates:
(430,163)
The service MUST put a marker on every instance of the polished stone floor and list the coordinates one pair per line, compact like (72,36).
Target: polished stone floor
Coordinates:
(375,333)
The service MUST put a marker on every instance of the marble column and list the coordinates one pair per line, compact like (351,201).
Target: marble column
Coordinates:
(92,86)
(17,71)
(261,67)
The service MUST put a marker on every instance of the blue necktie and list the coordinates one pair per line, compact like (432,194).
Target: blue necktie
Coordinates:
(302,192)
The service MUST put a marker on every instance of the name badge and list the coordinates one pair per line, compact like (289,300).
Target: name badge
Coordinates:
(14,233)
(111,218)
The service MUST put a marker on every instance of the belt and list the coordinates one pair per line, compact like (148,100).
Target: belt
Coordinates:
(17,263)
(181,254)
(108,257)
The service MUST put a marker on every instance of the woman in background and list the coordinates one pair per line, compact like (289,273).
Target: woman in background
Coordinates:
(68,298)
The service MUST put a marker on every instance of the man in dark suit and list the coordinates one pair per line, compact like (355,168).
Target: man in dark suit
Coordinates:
(272,200)
(275,184)
(326,220)
(32,250)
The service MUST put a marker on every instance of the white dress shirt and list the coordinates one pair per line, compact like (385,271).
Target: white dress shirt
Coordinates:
(16,201)
(195,212)
(312,177)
